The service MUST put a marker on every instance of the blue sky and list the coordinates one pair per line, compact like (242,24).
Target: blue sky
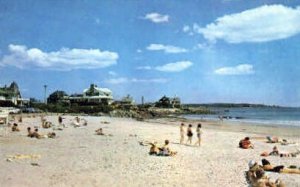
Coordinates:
(202,51)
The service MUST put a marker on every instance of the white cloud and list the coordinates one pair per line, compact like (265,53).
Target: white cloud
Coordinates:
(119,80)
(65,59)
(122,80)
(166,48)
(139,51)
(97,21)
(157,80)
(186,28)
(204,46)
(112,73)
(144,68)
(156,17)
(262,24)
(175,67)
(242,69)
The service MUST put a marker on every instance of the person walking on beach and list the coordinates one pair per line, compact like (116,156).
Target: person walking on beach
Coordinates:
(60,121)
(189,134)
(199,132)
(182,133)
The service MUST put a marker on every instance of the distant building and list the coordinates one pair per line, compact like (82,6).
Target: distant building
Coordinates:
(11,94)
(168,102)
(93,95)
(126,102)
(58,96)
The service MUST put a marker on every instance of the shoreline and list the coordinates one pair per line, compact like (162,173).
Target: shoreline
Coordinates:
(261,129)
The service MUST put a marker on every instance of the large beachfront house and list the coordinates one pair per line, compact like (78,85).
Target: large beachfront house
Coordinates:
(91,96)
(168,102)
(11,94)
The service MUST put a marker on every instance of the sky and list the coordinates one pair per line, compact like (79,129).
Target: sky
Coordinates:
(236,51)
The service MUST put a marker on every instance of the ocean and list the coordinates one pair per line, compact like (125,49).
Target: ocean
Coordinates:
(275,116)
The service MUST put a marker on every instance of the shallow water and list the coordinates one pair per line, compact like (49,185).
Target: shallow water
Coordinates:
(257,115)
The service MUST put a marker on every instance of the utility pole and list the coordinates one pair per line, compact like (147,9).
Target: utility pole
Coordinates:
(45,96)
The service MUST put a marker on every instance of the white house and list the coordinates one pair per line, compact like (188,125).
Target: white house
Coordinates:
(93,94)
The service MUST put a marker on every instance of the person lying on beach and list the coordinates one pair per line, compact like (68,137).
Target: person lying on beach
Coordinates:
(256,177)
(37,135)
(246,143)
(274,139)
(266,165)
(51,135)
(165,150)
(15,128)
(276,152)
(46,124)
(99,132)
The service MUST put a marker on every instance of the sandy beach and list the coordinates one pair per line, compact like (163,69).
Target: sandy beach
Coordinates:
(78,157)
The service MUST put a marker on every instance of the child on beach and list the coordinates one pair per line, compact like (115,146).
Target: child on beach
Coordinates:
(189,134)
(182,133)
(199,132)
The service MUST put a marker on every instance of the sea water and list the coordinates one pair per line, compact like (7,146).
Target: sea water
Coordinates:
(277,116)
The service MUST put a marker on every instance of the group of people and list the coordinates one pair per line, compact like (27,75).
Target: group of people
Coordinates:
(161,151)
(256,175)
(165,150)
(36,134)
(257,178)
(189,133)
(275,152)
(77,122)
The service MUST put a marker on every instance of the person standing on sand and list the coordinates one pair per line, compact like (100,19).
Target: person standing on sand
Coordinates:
(199,132)
(189,134)
(182,133)
(60,120)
